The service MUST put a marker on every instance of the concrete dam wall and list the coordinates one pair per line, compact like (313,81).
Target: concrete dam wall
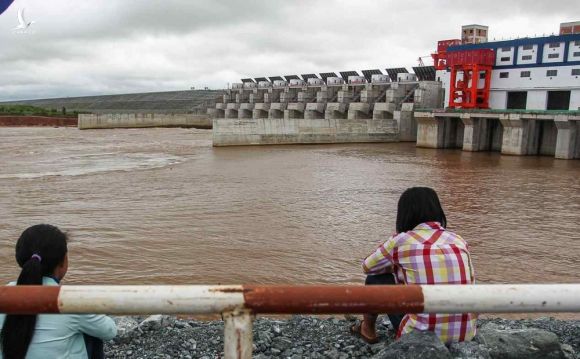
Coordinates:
(314,112)
(139,120)
(265,131)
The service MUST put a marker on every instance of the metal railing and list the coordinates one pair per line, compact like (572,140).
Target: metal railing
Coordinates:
(239,303)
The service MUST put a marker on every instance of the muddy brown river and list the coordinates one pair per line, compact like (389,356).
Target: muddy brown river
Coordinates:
(164,206)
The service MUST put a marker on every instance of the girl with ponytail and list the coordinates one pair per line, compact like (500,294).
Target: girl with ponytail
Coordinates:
(41,252)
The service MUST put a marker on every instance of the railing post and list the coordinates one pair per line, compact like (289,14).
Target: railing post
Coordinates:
(238,334)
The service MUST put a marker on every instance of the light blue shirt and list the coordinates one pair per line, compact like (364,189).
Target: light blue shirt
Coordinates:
(61,335)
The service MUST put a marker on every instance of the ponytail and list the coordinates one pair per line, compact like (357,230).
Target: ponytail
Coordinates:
(18,330)
(39,250)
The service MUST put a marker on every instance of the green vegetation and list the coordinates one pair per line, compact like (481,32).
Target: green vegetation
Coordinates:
(26,110)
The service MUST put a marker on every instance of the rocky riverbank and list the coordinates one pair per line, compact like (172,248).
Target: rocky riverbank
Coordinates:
(312,337)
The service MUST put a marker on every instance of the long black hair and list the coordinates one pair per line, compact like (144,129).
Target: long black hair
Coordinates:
(39,251)
(419,205)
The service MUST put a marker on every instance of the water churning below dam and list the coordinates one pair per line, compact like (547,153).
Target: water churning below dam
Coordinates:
(163,206)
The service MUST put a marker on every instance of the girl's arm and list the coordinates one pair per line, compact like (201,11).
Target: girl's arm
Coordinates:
(99,326)
(380,261)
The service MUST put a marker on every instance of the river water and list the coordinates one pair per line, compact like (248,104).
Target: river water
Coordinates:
(164,206)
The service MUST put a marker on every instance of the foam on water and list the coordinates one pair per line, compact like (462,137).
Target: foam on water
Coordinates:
(78,165)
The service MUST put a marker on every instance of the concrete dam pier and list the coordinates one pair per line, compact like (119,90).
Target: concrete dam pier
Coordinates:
(347,109)
(533,133)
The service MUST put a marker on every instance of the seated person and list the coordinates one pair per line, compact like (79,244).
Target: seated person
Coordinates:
(421,252)
(41,252)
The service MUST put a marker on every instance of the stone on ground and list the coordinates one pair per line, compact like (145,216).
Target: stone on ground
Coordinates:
(469,350)
(517,343)
(417,345)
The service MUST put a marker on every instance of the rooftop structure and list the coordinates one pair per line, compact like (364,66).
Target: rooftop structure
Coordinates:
(474,34)
(570,28)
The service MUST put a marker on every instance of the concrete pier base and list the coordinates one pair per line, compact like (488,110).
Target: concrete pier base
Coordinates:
(246,110)
(220,110)
(383,110)
(261,110)
(407,125)
(295,110)
(516,134)
(481,134)
(277,110)
(314,111)
(336,110)
(439,132)
(359,111)
(232,110)
(568,138)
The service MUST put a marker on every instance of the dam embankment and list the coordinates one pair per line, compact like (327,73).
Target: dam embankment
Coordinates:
(141,120)
(33,121)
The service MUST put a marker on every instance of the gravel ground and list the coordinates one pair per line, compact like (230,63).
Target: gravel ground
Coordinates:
(297,337)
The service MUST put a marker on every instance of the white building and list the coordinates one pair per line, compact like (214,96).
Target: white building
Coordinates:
(540,73)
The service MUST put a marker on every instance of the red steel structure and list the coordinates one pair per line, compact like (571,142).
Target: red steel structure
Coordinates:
(470,81)
(440,57)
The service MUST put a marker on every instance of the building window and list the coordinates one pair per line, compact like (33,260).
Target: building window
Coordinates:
(525,74)
(506,49)
(551,73)
(575,72)
(576,43)
(504,59)
(528,47)
(576,54)
(554,45)
(482,75)
(526,57)
(553,56)
(504,75)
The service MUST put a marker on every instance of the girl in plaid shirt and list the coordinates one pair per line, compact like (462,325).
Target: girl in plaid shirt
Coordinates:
(421,252)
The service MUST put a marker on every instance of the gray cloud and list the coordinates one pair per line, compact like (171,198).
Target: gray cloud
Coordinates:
(92,47)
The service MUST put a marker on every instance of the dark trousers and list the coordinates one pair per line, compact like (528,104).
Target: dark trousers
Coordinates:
(386,279)
(95,348)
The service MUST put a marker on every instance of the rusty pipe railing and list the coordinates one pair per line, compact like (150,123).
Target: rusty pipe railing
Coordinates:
(240,302)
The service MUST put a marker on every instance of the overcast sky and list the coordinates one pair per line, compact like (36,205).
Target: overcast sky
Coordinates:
(82,47)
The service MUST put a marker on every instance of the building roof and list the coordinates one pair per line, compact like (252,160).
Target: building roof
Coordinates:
(570,23)
(515,42)
(474,25)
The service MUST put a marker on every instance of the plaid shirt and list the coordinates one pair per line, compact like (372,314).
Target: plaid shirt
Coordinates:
(428,254)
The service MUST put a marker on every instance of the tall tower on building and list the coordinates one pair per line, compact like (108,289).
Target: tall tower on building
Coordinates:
(474,34)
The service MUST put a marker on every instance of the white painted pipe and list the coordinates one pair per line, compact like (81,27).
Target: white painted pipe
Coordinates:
(266,299)
(146,299)
(502,298)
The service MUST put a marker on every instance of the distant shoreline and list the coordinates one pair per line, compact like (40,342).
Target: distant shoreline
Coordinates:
(37,121)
